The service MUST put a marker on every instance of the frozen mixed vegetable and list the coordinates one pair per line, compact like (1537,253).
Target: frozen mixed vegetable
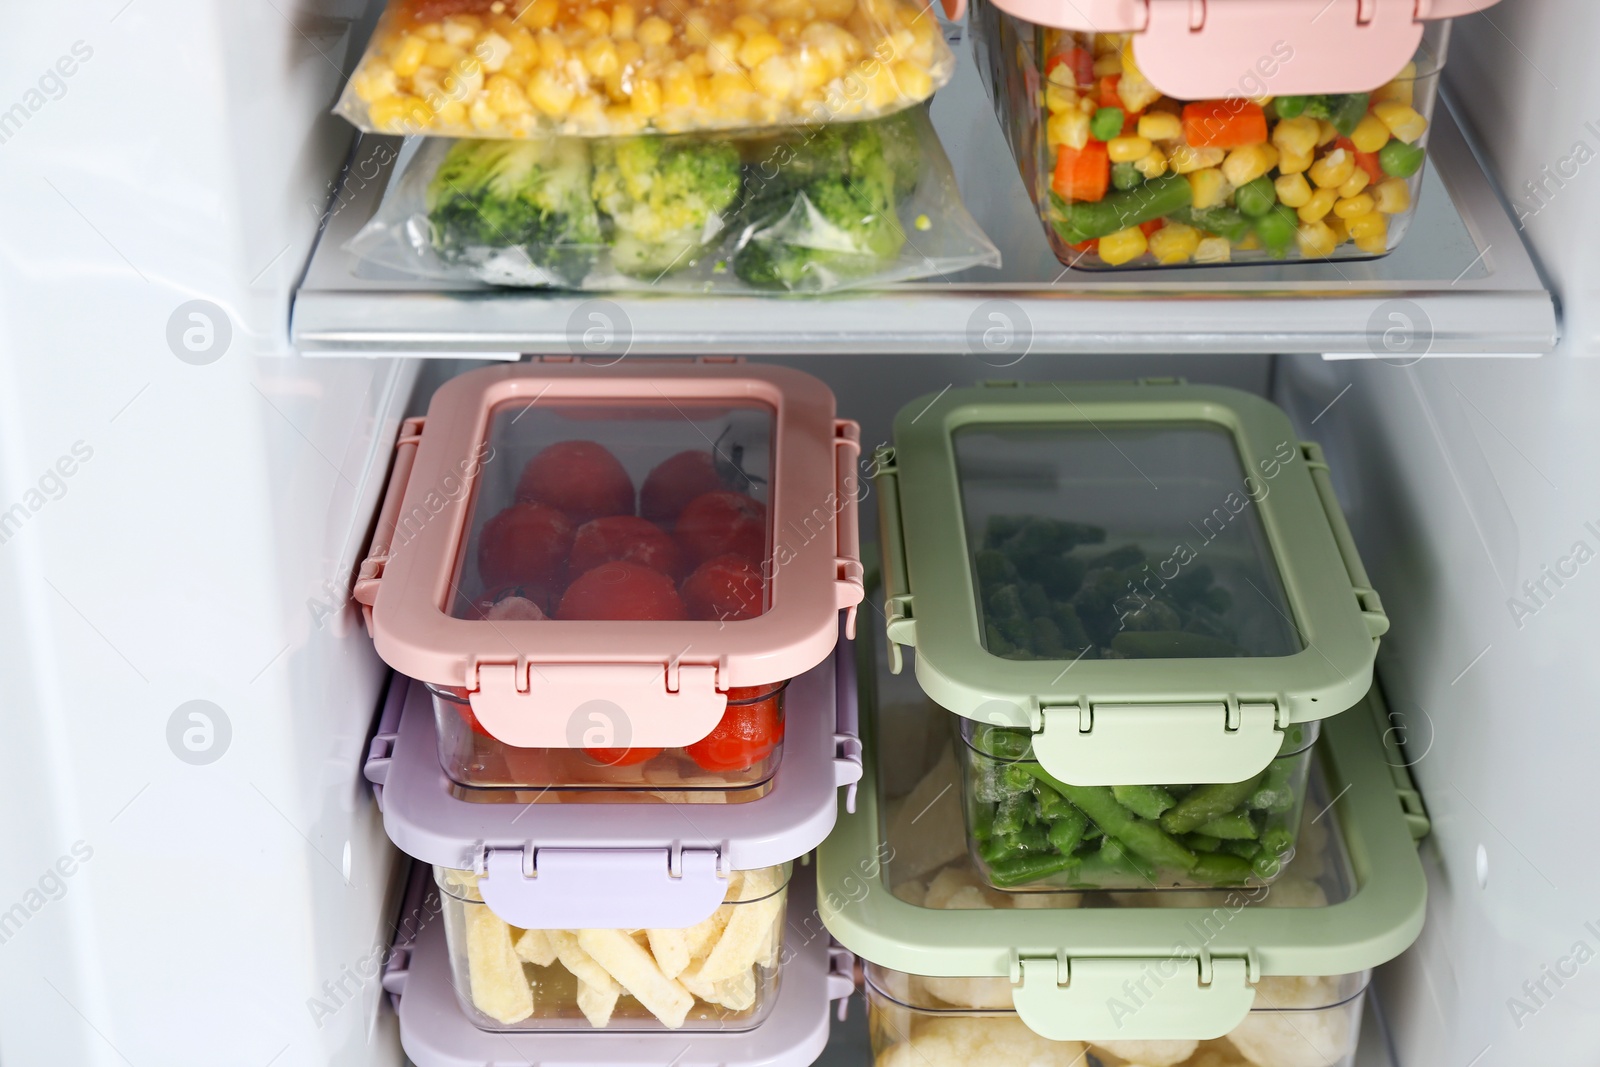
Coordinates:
(526,68)
(1138,178)
(1029,829)
(715,970)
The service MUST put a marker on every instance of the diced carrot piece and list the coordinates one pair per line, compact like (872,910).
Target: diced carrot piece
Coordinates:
(1108,91)
(1148,228)
(1078,60)
(1082,173)
(1224,124)
(1092,245)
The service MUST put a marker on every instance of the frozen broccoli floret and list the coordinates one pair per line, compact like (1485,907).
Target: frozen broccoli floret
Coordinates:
(532,195)
(667,199)
(993,569)
(1061,576)
(820,209)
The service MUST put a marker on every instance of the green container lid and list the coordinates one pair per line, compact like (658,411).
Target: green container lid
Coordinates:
(1192,969)
(1155,578)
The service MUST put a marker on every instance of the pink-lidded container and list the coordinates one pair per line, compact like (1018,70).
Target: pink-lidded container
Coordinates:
(606,575)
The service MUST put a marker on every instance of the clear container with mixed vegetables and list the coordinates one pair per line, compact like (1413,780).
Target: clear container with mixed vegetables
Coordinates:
(1126,176)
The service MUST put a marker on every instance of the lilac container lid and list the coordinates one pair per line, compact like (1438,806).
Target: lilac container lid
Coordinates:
(612,865)
(436,1033)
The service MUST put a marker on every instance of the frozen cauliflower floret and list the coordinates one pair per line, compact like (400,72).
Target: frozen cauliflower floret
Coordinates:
(1150,1053)
(990,993)
(1275,1034)
(1218,1053)
(1292,891)
(957,889)
(964,1042)
(1046,900)
(914,891)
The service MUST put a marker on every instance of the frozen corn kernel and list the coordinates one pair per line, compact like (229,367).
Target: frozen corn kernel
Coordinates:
(376,82)
(1316,240)
(408,57)
(1128,149)
(600,57)
(1213,250)
(1370,134)
(1070,128)
(1250,242)
(505,96)
(1209,187)
(1333,169)
(1393,197)
(653,32)
(1186,159)
(758,49)
(1153,165)
(1298,135)
(1160,126)
(1293,190)
(1341,230)
(1248,163)
(1295,162)
(1174,243)
(541,14)
(1355,206)
(1327,133)
(551,94)
(1402,120)
(1367,225)
(1123,246)
(1400,91)
(1354,185)
(1059,98)
(1105,66)
(1316,208)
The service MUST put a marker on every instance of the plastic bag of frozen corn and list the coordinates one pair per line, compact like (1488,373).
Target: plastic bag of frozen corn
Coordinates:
(720,973)
(593,68)
(808,209)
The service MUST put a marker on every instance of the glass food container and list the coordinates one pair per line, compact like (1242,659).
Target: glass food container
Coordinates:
(1252,137)
(1261,975)
(607,575)
(1118,588)
(720,974)
(1031,831)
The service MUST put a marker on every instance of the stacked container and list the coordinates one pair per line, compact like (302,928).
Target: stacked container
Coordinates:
(1140,600)
(616,586)
(1168,133)
(1261,975)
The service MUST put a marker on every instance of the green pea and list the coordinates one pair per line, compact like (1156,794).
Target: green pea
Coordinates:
(1401,160)
(1106,124)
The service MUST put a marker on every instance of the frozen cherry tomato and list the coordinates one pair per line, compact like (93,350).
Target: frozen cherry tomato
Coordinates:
(719,523)
(624,537)
(621,591)
(621,757)
(675,482)
(749,732)
(726,588)
(460,699)
(581,479)
(525,545)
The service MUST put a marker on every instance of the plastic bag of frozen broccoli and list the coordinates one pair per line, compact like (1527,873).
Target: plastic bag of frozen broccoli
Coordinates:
(806,210)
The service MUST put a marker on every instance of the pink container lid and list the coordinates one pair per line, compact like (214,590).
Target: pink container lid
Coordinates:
(552,683)
(1209,49)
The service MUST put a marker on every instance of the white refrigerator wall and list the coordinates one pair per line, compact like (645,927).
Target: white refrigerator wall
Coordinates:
(1473,491)
(180,503)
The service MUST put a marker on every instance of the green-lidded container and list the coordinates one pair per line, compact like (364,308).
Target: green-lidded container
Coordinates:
(1141,597)
(1250,976)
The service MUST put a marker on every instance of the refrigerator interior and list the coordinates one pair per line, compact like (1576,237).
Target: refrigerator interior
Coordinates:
(192,690)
